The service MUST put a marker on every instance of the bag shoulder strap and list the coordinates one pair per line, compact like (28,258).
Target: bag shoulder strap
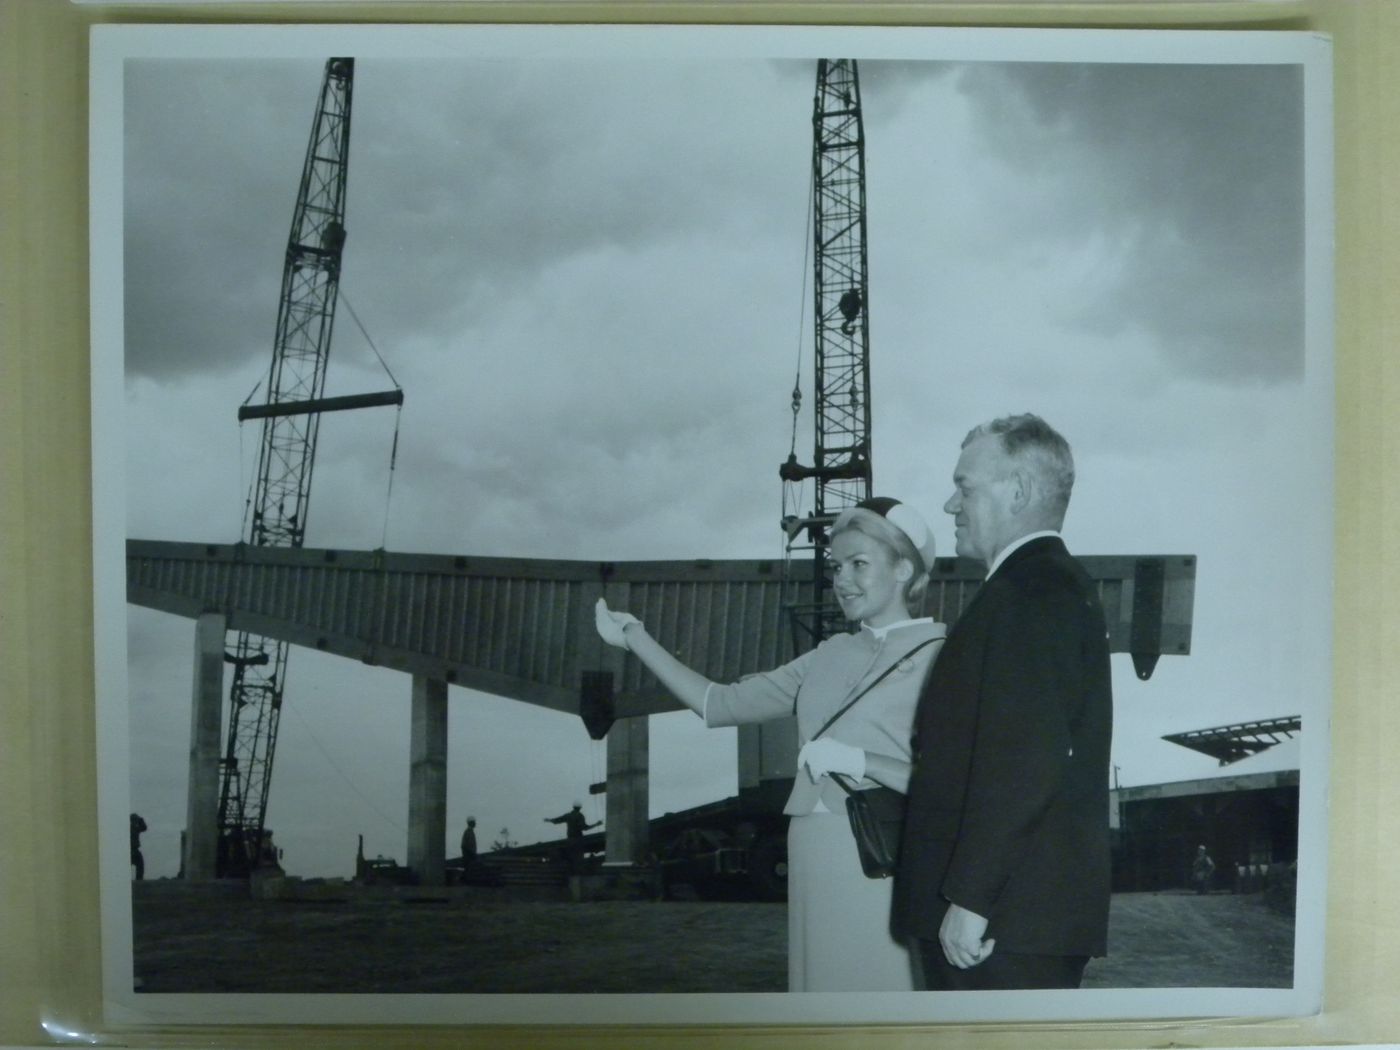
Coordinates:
(843,781)
(883,674)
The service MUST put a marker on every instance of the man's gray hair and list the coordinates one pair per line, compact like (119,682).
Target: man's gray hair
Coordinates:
(1028,439)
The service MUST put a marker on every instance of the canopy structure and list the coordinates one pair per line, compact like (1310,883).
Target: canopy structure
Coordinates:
(524,629)
(1229,744)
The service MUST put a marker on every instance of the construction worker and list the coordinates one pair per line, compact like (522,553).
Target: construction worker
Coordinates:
(137,860)
(469,842)
(575,825)
(1202,870)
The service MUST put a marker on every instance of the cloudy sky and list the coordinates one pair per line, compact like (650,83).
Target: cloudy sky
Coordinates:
(588,277)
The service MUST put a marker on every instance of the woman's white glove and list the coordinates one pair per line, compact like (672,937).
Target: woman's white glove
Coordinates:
(825,756)
(612,624)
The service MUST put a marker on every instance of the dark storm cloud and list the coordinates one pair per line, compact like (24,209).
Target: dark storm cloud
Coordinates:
(487,173)
(561,267)
(1191,175)
(887,84)
(466,181)
(212,158)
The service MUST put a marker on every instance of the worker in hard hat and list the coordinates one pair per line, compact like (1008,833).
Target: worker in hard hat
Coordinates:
(575,824)
(469,842)
(854,696)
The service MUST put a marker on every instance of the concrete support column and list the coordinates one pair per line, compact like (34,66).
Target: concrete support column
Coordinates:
(427,781)
(200,848)
(628,835)
(767,751)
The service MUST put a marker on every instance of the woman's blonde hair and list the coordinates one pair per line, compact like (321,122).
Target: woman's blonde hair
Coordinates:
(896,543)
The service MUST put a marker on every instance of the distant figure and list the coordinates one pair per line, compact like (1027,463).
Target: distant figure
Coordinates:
(575,825)
(139,862)
(1202,870)
(469,842)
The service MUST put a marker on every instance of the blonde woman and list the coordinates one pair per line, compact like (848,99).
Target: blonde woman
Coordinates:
(880,554)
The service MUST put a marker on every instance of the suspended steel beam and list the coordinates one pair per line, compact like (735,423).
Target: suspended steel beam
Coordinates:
(323,404)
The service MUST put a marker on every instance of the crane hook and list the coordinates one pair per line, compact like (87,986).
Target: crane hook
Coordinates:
(850,306)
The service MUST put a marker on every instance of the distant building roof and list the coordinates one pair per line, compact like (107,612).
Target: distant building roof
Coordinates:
(1284,778)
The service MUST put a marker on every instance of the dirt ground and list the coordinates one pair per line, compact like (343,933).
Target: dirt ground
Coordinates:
(219,939)
(1176,940)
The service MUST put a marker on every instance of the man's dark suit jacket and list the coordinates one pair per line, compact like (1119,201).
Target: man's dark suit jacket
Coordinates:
(1008,803)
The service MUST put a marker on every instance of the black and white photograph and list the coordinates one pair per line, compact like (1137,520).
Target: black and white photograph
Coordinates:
(711,524)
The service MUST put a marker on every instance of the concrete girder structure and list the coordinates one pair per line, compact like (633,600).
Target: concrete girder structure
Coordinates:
(524,629)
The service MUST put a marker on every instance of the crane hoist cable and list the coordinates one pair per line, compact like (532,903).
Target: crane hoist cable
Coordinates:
(389,491)
(360,325)
(335,768)
(253,393)
(244,486)
(598,759)
(791,491)
(802,316)
(398,418)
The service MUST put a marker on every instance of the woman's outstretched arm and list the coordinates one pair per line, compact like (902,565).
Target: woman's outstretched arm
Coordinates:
(625,631)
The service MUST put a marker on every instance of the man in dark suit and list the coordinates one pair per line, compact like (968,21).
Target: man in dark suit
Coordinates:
(1003,877)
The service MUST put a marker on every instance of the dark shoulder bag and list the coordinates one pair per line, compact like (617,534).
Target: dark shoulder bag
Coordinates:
(876,814)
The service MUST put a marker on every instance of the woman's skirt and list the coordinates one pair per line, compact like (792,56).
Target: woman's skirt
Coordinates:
(838,920)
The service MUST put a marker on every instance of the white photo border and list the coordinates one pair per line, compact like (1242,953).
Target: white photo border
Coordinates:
(113,45)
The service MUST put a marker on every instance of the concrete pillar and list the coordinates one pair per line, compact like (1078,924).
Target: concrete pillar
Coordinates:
(767,751)
(427,781)
(628,835)
(200,844)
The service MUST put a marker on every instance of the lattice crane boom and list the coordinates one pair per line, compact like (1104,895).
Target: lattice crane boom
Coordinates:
(841,465)
(281,491)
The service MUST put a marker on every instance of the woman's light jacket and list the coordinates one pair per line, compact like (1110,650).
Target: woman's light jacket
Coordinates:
(815,686)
